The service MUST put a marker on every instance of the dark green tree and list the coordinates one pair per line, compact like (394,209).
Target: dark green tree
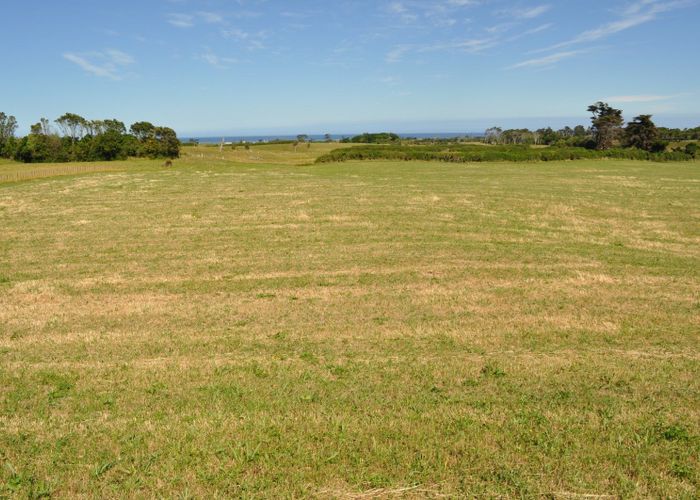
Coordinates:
(109,146)
(142,130)
(580,131)
(547,136)
(8,127)
(114,126)
(607,124)
(641,133)
(162,144)
(72,125)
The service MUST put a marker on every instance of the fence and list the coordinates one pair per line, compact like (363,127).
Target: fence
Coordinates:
(53,170)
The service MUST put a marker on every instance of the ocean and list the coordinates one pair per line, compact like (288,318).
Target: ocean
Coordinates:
(321,137)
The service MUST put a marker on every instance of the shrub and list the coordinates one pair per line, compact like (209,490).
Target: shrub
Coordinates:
(463,153)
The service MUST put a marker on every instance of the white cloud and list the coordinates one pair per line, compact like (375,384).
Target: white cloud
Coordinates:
(636,14)
(181,20)
(215,60)
(118,57)
(252,41)
(397,53)
(526,13)
(471,46)
(109,63)
(545,61)
(397,8)
(532,12)
(538,29)
(638,98)
(389,80)
(211,17)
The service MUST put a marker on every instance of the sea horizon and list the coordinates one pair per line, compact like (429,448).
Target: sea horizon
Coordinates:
(318,137)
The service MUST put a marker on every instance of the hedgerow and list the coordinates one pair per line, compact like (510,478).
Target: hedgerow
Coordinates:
(460,153)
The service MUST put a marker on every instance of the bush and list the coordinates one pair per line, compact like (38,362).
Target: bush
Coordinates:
(658,146)
(462,153)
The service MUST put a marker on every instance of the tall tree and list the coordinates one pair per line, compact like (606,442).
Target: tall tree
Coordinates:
(641,133)
(607,124)
(8,126)
(72,125)
(114,126)
(42,127)
(493,134)
(580,131)
(143,130)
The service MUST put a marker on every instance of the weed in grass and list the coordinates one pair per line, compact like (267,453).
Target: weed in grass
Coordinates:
(674,432)
(492,370)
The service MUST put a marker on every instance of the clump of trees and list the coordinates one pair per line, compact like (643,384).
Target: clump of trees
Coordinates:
(74,138)
(607,132)
(578,136)
(381,138)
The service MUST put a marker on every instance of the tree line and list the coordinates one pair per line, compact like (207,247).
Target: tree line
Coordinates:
(607,131)
(74,138)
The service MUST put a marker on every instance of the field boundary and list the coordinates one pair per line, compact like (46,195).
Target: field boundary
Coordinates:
(54,171)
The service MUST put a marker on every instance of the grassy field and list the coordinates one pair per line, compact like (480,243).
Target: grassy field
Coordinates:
(354,330)
(281,154)
(284,154)
(11,171)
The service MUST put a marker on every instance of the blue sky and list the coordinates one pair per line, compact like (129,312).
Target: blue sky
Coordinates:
(310,66)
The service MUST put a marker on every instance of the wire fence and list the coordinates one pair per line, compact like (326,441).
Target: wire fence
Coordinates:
(54,170)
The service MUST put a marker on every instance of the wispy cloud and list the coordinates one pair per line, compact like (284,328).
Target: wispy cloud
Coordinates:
(471,46)
(215,60)
(639,98)
(436,13)
(210,17)
(400,9)
(463,3)
(545,61)
(389,80)
(635,14)
(538,29)
(638,13)
(527,12)
(109,63)
(181,20)
(397,53)
(251,40)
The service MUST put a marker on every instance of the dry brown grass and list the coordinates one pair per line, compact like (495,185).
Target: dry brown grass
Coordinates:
(370,330)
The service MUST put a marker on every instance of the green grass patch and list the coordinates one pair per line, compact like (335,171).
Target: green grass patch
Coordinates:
(225,328)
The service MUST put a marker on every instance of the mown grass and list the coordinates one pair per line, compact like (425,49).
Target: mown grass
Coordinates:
(283,154)
(11,171)
(422,329)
